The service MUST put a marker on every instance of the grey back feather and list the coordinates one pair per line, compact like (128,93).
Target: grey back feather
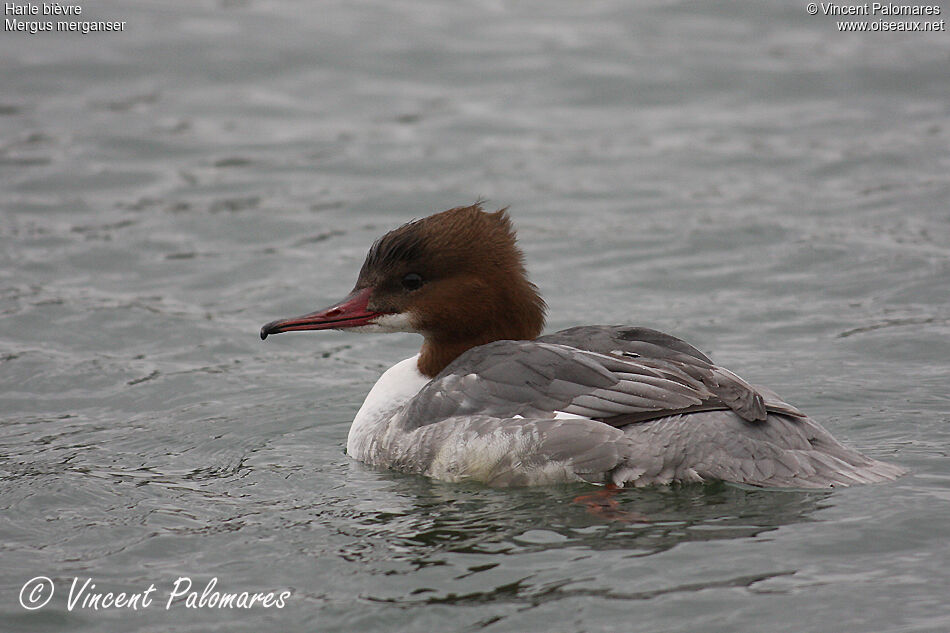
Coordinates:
(614,374)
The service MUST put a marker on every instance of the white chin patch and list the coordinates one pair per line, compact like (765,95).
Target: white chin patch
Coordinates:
(398,322)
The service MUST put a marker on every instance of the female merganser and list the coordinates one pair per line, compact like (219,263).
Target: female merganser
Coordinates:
(487,399)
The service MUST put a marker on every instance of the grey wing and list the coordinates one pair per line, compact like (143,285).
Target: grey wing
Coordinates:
(506,379)
(658,349)
(626,340)
(630,375)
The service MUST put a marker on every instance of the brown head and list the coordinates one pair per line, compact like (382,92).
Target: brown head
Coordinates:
(456,277)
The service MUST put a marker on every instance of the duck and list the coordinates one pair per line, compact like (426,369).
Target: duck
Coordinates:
(491,399)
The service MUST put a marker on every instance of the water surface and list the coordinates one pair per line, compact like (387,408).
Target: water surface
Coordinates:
(744,177)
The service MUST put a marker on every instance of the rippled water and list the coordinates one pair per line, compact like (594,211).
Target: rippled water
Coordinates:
(738,174)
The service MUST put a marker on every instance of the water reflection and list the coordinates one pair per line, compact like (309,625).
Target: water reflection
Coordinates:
(459,518)
(433,543)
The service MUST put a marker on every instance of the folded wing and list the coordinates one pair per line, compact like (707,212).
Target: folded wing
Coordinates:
(617,375)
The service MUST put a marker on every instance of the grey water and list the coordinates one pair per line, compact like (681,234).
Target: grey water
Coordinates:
(739,174)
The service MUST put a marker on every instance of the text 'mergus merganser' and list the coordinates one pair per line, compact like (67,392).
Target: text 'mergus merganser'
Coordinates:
(489,399)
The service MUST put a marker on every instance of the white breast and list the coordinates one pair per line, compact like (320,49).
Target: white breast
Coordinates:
(394,388)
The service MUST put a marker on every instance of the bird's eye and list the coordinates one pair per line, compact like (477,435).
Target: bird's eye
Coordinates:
(412,281)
